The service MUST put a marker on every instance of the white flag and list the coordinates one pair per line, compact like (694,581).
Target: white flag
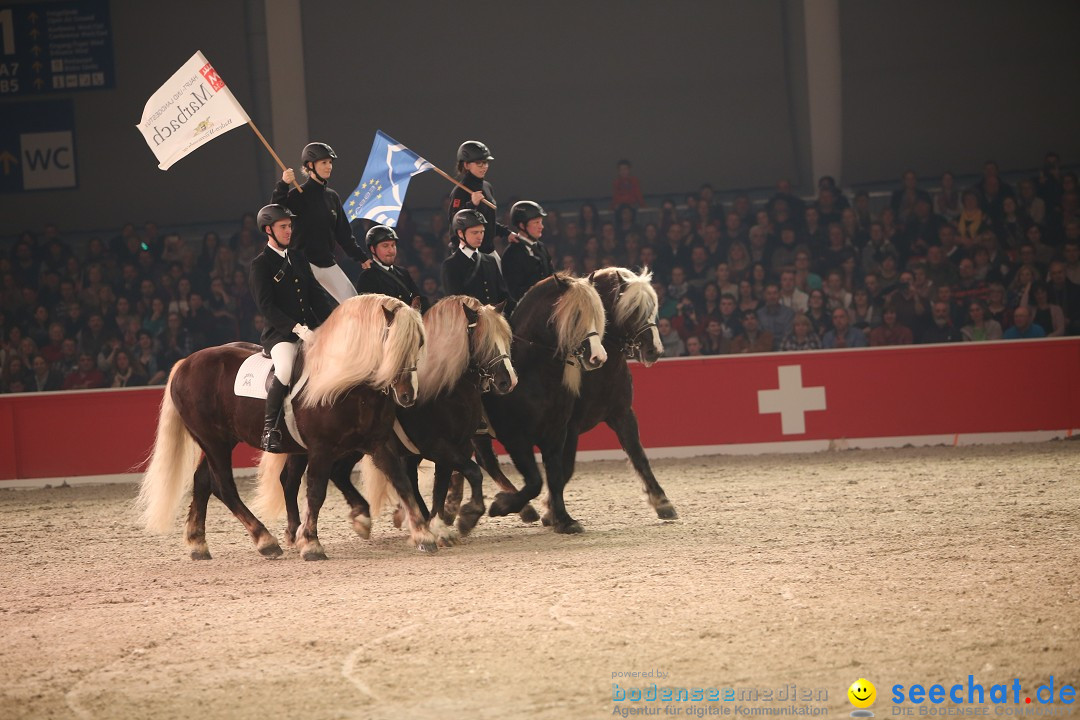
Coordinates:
(188,111)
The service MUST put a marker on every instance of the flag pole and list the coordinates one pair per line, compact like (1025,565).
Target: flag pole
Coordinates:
(277,159)
(485,200)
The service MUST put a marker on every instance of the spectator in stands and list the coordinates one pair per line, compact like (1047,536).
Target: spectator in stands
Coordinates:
(1044,313)
(44,379)
(801,337)
(1020,287)
(818,314)
(145,354)
(1023,328)
(947,200)
(996,307)
(1014,223)
(686,322)
(890,332)
(773,317)
(588,220)
(669,338)
(939,271)
(835,293)
(738,260)
(843,334)
(980,327)
(876,248)
(174,342)
(752,339)
(790,295)
(805,279)
(15,378)
(716,339)
(904,199)
(68,362)
(1070,253)
(972,218)
(694,347)
(626,190)
(1030,202)
(864,314)
(52,347)
(125,372)
(941,329)
(87,375)
(1064,293)
(968,287)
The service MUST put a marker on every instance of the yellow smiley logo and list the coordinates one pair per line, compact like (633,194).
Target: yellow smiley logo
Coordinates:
(862,693)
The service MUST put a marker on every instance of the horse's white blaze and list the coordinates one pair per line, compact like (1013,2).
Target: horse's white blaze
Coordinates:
(507,364)
(658,346)
(597,353)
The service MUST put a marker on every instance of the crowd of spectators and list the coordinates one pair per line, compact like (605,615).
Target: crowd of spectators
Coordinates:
(987,262)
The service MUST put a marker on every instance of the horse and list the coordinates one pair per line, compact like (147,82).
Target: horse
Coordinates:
(467,354)
(630,305)
(558,337)
(367,349)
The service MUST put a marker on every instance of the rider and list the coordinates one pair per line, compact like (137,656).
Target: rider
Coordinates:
(527,262)
(291,301)
(473,161)
(468,271)
(320,220)
(383,276)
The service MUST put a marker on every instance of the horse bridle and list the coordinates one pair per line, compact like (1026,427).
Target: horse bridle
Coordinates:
(576,356)
(632,344)
(485,373)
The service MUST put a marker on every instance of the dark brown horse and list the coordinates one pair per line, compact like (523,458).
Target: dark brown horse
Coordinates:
(467,354)
(558,337)
(630,306)
(367,348)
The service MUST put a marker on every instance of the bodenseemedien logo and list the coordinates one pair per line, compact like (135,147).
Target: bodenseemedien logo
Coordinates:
(862,695)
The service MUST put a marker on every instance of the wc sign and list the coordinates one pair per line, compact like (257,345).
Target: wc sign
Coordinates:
(37,148)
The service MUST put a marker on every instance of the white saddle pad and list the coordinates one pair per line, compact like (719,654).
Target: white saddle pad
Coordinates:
(253,378)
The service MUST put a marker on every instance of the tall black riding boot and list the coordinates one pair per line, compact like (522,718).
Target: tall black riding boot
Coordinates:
(275,401)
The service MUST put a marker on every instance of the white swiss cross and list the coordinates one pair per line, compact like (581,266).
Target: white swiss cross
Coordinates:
(791,400)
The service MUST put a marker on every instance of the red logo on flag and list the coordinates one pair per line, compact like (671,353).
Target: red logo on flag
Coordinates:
(208,72)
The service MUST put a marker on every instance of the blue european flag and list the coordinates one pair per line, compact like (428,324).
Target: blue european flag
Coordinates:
(381,191)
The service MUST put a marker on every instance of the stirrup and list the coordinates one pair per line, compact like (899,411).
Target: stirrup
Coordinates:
(272,442)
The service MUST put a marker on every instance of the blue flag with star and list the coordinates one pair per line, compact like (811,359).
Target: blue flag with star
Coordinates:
(381,191)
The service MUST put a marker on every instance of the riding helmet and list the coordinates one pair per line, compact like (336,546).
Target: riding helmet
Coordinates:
(316,151)
(525,210)
(378,234)
(465,219)
(270,214)
(473,151)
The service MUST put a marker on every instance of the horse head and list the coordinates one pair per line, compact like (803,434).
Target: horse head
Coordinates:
(403,386)
(631,307)
(489,348)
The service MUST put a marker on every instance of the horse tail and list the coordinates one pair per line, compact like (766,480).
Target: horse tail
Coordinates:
(377,487)
(171,468)
(270,496)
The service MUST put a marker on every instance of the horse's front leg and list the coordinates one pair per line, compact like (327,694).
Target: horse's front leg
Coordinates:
(626,428)
(471,512)
(359,510)
(442,524)
(485,455)
(291,476)
(561,522)
(318,477)
(390,465)
(512,502)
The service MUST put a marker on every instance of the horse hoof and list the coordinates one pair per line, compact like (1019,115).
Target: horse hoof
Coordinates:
(313,554)
(528,514)
(666,511)
(202,554)
(570,528)
(271,551)
(546,520)
(427,547)
(501,505)
(468,517)
(361,525)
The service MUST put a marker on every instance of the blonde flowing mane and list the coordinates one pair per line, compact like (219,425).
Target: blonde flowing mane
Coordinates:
(448,343)
(578,308)
(637,303)
(354,346)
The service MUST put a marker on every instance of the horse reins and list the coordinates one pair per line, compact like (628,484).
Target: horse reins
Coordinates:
(485,373)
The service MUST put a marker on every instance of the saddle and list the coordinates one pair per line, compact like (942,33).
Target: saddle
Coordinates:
(253,380)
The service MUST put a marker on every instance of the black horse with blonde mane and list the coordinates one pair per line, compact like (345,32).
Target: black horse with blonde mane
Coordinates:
(367,349)
(630,305)
(558,336)
(467,354)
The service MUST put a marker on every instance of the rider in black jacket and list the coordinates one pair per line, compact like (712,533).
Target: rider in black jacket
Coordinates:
(527,262)
(383,276)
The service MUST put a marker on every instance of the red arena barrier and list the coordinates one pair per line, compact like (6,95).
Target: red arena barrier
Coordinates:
(869,397)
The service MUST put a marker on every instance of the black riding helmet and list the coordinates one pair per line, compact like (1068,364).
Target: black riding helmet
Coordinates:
(473,151)
(525,210)
(269,215)
(313,153)
(378,234)
(465,219)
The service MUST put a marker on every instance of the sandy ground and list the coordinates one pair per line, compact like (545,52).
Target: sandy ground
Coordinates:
(901,566)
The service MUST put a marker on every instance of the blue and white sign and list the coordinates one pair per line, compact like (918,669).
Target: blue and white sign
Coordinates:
(55,47)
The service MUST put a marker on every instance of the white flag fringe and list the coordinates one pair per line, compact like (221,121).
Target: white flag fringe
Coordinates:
(188,111)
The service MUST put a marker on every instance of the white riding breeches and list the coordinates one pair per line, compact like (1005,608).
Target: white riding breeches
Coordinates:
(334,281)
(284,356)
